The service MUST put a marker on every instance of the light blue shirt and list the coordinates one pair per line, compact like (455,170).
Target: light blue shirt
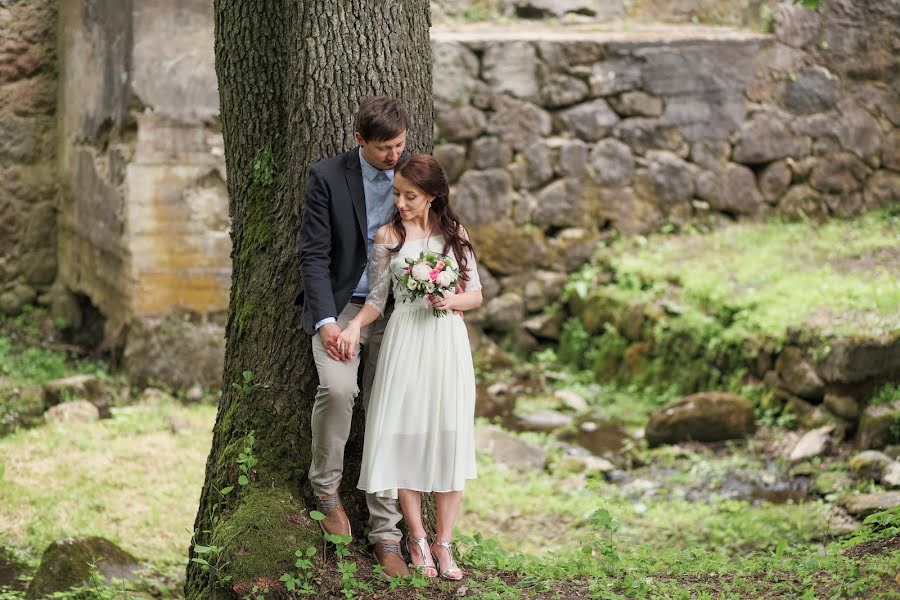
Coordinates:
(378,190)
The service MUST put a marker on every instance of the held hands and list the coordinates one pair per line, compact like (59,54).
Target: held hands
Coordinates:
(330,334)
(348,342)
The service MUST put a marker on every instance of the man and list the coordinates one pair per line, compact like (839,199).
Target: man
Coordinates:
(348,197)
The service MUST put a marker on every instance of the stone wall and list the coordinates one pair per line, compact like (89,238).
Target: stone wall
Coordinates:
(143,228)
(556,138)
(27,127)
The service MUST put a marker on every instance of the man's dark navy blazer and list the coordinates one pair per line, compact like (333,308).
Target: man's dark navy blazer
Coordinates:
(332,237)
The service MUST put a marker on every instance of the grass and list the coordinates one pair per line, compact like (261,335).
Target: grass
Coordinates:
(838,278)
(129,479)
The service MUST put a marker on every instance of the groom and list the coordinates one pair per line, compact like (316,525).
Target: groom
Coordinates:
(348,197)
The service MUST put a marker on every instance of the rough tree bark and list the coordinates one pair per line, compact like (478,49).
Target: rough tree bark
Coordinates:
(291,74)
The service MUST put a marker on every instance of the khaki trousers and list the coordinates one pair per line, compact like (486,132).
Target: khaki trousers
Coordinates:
(331,416)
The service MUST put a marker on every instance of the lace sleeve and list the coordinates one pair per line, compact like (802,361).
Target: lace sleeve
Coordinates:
(379,277)
(474,281)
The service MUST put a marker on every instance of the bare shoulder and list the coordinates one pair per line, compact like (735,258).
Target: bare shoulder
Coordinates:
(463,233)
(386,235)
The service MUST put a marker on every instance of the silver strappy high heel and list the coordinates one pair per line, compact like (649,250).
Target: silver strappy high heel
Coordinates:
(452,572)
(426,567)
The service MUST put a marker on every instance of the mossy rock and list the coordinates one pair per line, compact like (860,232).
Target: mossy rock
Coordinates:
(67,564)
(259,537)
(879,426)
(703,417)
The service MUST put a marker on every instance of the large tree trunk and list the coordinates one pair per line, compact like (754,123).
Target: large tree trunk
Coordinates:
(291,75)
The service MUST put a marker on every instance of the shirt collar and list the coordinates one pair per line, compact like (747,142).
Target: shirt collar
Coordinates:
(370,172)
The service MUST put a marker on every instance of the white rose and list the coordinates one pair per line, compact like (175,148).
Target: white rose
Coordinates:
(422,272)
(444,279)
(411,283)
(429,287)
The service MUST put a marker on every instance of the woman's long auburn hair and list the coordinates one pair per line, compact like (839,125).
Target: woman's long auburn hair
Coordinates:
(426,173)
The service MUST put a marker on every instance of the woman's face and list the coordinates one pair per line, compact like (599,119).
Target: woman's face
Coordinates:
(410,200)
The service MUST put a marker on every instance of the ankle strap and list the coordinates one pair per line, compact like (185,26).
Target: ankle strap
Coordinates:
(444,544)
(329,502)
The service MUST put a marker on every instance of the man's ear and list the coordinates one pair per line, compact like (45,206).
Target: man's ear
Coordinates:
(359,138)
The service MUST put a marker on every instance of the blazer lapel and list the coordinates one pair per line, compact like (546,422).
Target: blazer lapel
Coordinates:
(353,174)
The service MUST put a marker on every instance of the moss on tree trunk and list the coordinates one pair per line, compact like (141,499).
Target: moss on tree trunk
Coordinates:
(291,75)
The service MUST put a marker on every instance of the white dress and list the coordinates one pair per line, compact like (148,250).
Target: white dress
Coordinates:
(420,419)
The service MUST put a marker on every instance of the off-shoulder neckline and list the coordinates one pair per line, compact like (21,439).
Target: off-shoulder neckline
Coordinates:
(430,237)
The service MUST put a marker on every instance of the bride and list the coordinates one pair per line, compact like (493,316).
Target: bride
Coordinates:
(420,419)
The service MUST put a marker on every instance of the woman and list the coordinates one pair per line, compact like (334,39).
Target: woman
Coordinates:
(420,418)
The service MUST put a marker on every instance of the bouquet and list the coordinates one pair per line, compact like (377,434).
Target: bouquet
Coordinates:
(429,274)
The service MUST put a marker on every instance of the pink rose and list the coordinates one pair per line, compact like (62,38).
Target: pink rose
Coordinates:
(433,274)
(444,279)
(440,266)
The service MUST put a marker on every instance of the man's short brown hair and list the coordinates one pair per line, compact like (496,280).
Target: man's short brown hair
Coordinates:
(381,118)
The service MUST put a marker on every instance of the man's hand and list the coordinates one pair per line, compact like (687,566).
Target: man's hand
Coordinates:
(330,333)
(348,341)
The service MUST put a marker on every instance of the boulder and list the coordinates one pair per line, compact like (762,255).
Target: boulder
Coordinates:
(558,204)
(590,121)
(615,76)
(840,522)
(882,189)
(801,201)
(77,411)
(509,450)
(571,157)
(811,90)
(571,400)
(505,311)
(774,181)
(643,134)
(458,67)
(65,564)
(859,132)
(845,407)
(869,464)
(798,375)
(452,158)
(732,189)
(175,350)
(863,505)
(560,91)
(879,426)
(506,249)
(519,124)
(765,138)
(543,288)
(541,9)
(813,443)
(20,406)
(542,420)
(890,477)
(703,417)
(571,248)
(667,179)
(547,326)
(637,104)
(630,214)
(840,173)
(483,196)
(611,163)
(796,25)
(890,153)
(494,400)
(459,123)
(537,165)
(599,435)
(487,152)
(510,68)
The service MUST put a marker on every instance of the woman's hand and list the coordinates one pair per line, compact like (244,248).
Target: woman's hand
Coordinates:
(348,341)
(442,303)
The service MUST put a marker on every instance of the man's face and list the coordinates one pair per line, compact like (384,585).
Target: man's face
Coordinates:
(385,154)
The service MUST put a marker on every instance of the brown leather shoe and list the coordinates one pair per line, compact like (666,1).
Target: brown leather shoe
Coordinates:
(335,521)
(389,557)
